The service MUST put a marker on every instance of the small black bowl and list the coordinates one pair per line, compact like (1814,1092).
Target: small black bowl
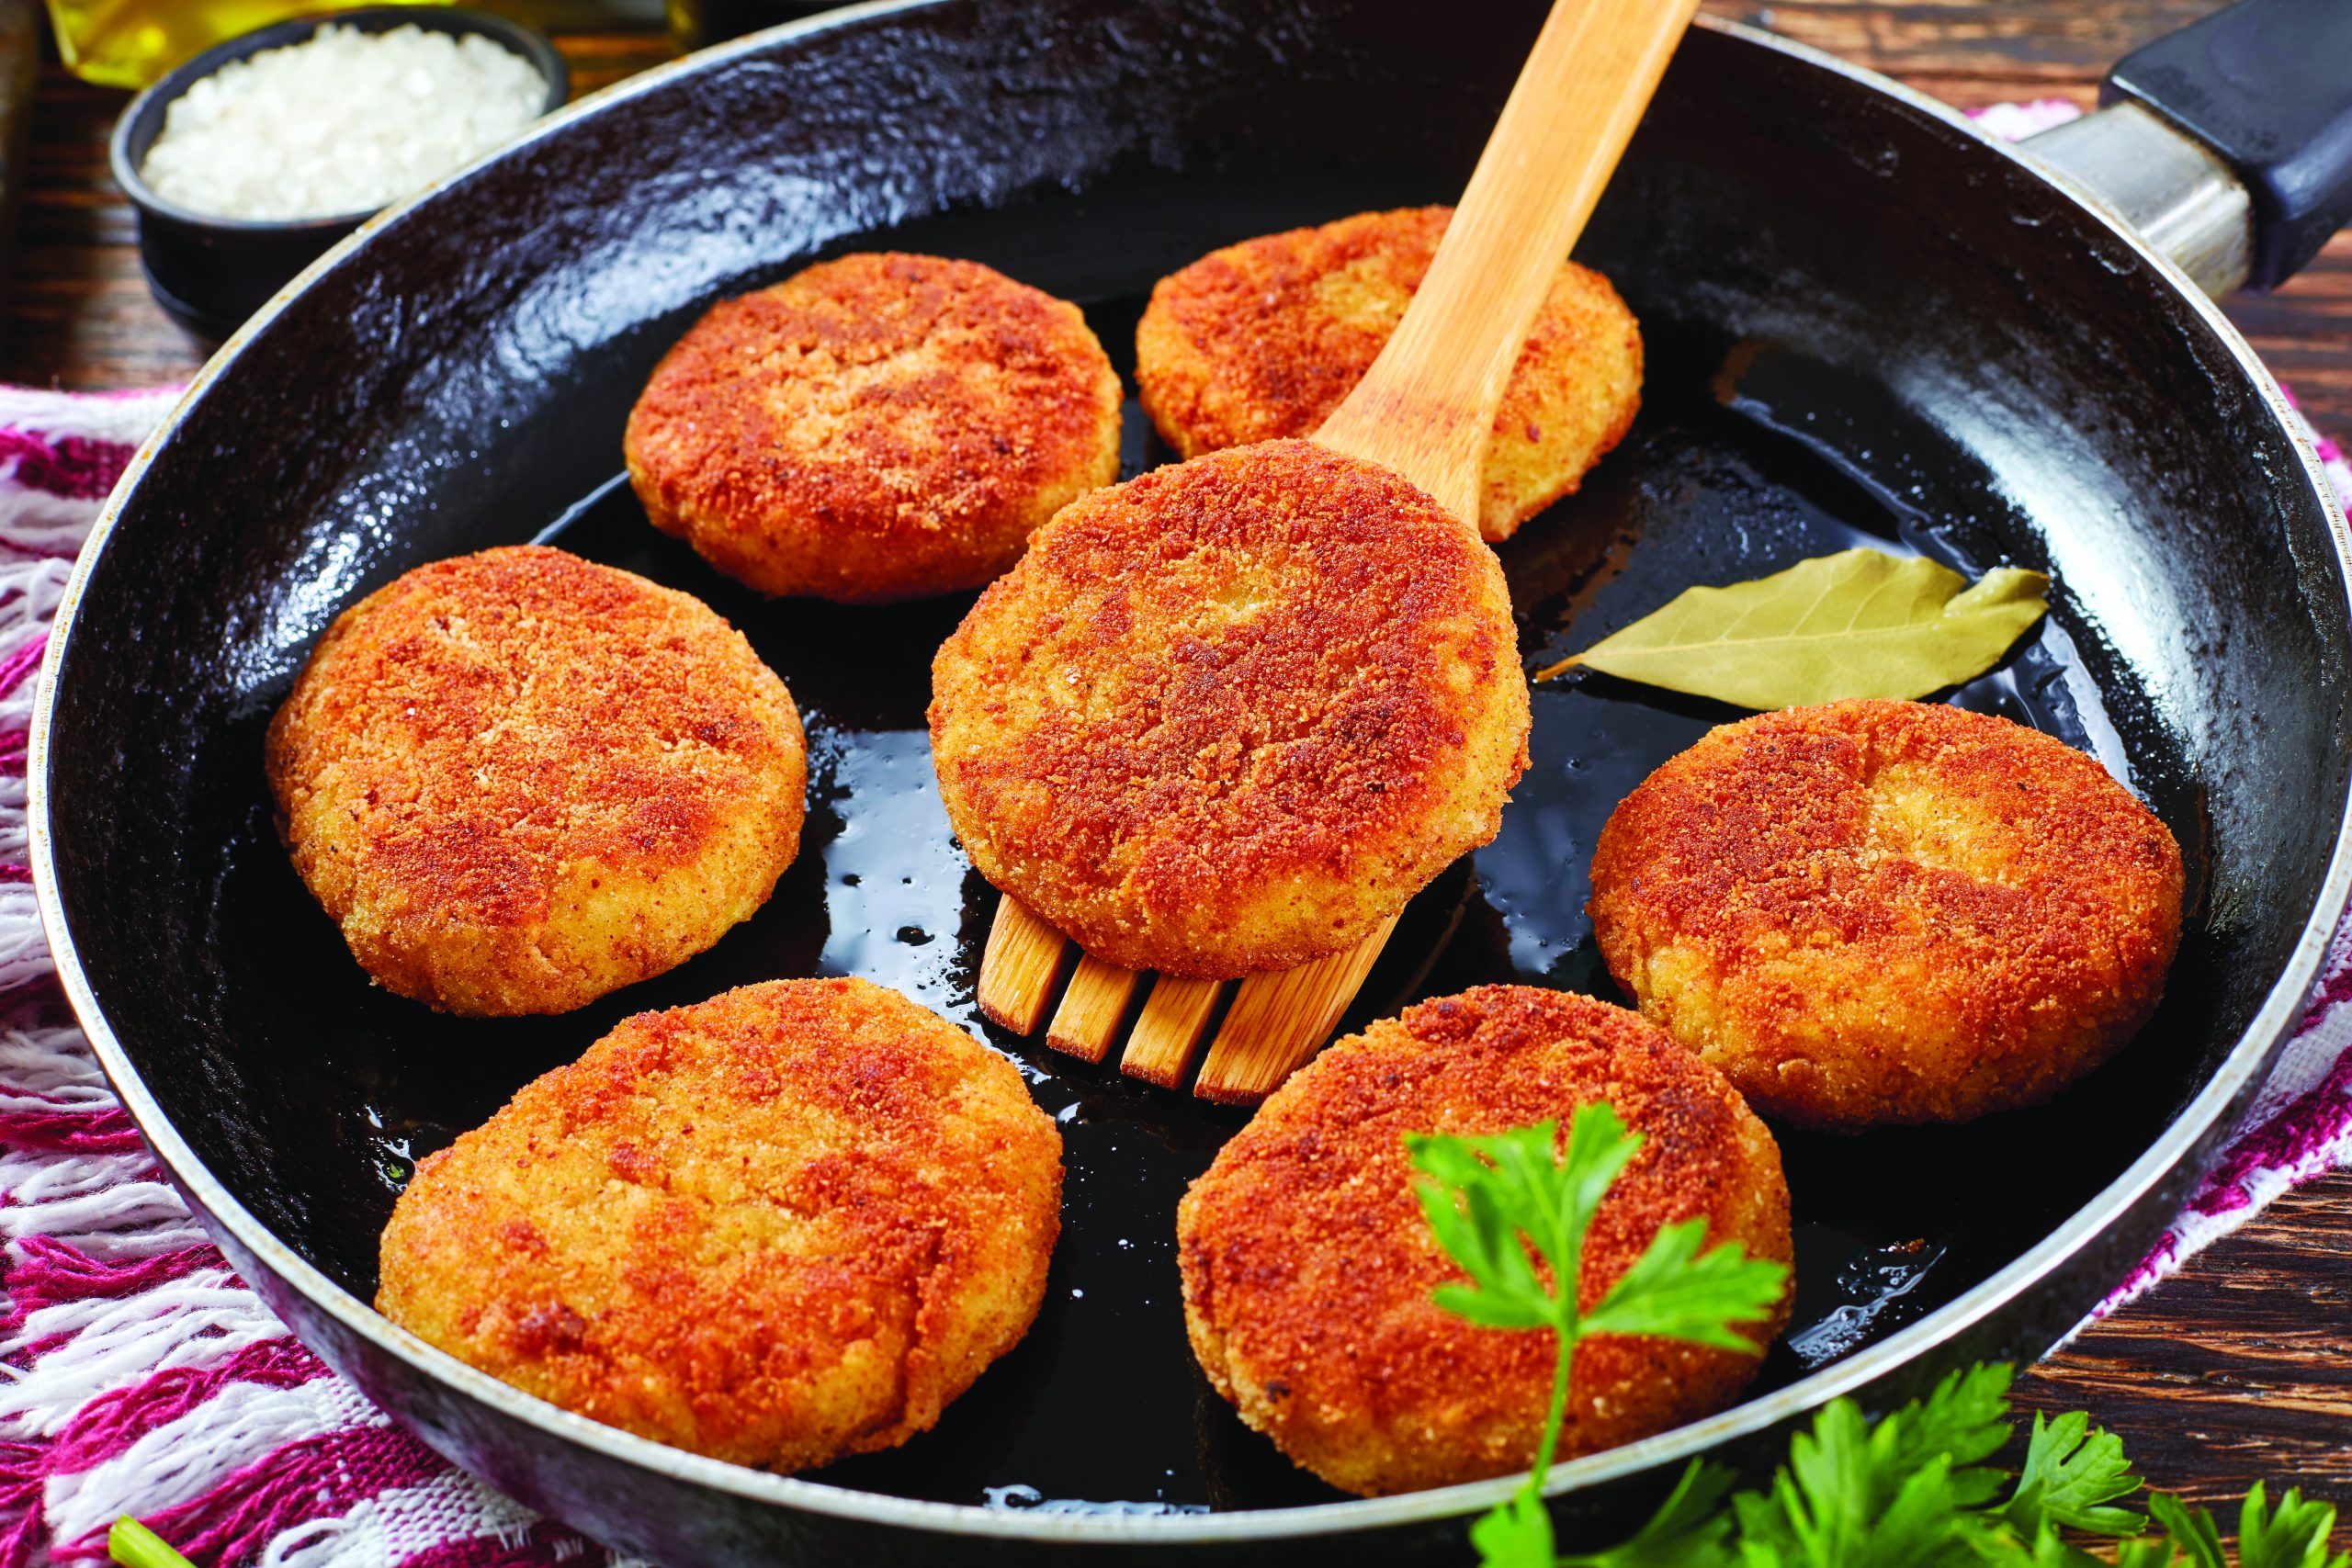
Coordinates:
(210,273)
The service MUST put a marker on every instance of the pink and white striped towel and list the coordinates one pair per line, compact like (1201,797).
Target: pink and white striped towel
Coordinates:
(142,1376)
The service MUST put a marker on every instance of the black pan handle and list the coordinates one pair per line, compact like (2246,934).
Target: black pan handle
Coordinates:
(2267,85)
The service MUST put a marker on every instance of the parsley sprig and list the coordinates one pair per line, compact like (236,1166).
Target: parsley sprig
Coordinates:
(1910,1490)
(1491,1201)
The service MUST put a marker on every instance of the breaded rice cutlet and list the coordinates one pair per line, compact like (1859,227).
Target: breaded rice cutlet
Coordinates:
(1263,339)
(1877,912)
(876,427)
(1308,1264)
(1230,715)
(518,780)
(780,1227)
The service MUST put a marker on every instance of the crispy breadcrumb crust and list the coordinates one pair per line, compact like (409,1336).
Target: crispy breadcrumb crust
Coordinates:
(1876,912)
(878,427)
(783,1226)
(1308,1265)
(1229,715)
(1264,338)
(518,780)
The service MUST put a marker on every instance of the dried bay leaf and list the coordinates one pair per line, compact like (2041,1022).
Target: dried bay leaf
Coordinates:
(1858,623)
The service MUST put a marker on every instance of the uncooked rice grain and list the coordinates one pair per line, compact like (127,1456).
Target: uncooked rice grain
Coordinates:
(345,122)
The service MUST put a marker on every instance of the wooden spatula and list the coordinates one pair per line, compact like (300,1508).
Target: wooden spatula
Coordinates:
(1426,410)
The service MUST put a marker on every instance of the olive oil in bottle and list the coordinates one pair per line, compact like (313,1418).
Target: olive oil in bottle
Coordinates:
(128,43)
(695,23)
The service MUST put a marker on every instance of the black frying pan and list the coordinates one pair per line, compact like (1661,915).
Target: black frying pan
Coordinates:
(1866,321)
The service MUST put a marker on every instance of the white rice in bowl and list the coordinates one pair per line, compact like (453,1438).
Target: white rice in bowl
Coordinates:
(344,122)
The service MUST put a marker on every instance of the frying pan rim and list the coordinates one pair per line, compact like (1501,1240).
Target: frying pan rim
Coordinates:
(2254,1051)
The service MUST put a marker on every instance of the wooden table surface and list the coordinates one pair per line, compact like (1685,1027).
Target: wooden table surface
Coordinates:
(2239,1369)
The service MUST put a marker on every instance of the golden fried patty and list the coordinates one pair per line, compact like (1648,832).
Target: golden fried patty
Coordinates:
(1880,912)
(1264,338)
(876,427)
(519,780)
(785,1225)
(1308,1265)
(1231,715)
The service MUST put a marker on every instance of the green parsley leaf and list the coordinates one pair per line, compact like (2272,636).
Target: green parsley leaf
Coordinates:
(1689,1529)
(1846,1500)
(2048,1549)
(1487,1192)
(1516,1535)
(1491,1192)
(1674,1291)
(1964,1419)
(2294,1537)
(1858,1495)
(1513,1217)
(2190,1530)
(1908,1492)
(2147,1552)
(2072,1471)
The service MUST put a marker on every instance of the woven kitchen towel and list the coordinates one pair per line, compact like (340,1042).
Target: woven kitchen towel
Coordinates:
(142,1377)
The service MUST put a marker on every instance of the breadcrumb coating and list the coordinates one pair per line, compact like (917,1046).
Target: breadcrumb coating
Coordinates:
(518,780)
(779,1227)
(877,427)
(1229,715)
(1263,339)
(1875,912)
(1308,1265)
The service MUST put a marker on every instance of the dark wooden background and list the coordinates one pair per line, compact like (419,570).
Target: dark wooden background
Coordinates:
(2238,1369)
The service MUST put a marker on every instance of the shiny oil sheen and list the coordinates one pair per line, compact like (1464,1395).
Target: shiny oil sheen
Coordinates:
(1863,325)
(1743,461)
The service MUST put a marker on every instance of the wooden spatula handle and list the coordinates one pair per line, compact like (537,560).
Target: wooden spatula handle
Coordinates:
(1427,406)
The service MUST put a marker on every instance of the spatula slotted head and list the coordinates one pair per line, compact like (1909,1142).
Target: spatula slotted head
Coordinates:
(1276,1021)
(1170,1029)
(1024,961)
(1087,1022)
